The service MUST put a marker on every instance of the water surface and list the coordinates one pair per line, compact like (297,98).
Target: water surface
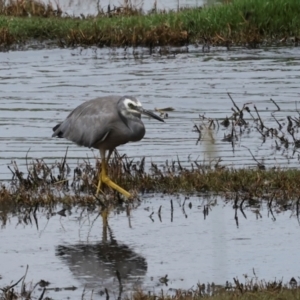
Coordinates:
(40,87)
(90,7)
(144,246)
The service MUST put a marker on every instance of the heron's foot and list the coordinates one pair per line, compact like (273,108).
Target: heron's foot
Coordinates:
(114,186)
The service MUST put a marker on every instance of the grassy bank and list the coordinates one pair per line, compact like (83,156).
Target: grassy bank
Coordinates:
(57,184)
(237,22)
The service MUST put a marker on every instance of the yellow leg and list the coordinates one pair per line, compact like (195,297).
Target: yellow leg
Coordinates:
(99,184)
(105,179)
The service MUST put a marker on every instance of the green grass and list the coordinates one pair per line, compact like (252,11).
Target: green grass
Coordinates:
(45,184)
(269,18)
(238,22)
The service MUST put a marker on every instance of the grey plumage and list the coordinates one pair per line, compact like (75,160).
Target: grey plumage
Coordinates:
(105,123)
(102,123)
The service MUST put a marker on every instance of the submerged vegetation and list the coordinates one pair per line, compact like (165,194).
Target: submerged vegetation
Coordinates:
(236,22)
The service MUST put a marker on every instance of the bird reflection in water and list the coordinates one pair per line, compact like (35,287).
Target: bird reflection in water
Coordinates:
(104,265)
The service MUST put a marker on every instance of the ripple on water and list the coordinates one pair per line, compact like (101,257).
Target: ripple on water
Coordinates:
(40,88)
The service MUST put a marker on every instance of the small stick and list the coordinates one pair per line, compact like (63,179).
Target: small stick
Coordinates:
(278,108)
(23,282)
(260,165)
(151,216)
(65,158)
(234,103)
(233,134)
(171,210)
(280,127)
(26,158)
(260,120)
(179,164)
(241,208)
(8,288)
(297,206)
(42,294)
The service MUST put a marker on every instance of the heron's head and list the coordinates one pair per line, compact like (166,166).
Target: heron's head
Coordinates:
(131,107)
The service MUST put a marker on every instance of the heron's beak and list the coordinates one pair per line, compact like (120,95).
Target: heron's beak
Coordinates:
(149,114)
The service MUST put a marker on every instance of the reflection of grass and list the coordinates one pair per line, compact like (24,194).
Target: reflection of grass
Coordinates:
(237,22)
(251,289)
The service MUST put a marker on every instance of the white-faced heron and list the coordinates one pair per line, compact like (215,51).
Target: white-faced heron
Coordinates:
(105,123)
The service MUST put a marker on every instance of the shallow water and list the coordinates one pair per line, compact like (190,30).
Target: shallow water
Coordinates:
(75,251)
(40,87)
(90,7)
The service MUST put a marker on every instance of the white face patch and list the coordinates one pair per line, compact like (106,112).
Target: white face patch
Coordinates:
(132,109)
(128,103)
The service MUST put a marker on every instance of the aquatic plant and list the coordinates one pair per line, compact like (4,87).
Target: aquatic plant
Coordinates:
(49,184)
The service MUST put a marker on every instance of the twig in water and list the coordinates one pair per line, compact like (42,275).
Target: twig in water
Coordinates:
(260,165)
(297,209)
(151,216)
(200,134)
(260,120)
(234,103)
(159,213)
(241,208)
(278,108)
(42,294)
(171,210)
(23,282)
(63,164)
(6,289)
(280,126)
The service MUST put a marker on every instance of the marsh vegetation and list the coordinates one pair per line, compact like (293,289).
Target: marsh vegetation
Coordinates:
(236,22)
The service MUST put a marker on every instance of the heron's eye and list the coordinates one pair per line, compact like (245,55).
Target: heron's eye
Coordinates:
(130,105)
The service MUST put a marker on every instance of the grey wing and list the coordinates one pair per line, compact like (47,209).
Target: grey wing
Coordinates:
(90,122)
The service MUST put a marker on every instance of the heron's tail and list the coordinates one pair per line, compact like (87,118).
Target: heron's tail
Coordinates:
(56,131)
